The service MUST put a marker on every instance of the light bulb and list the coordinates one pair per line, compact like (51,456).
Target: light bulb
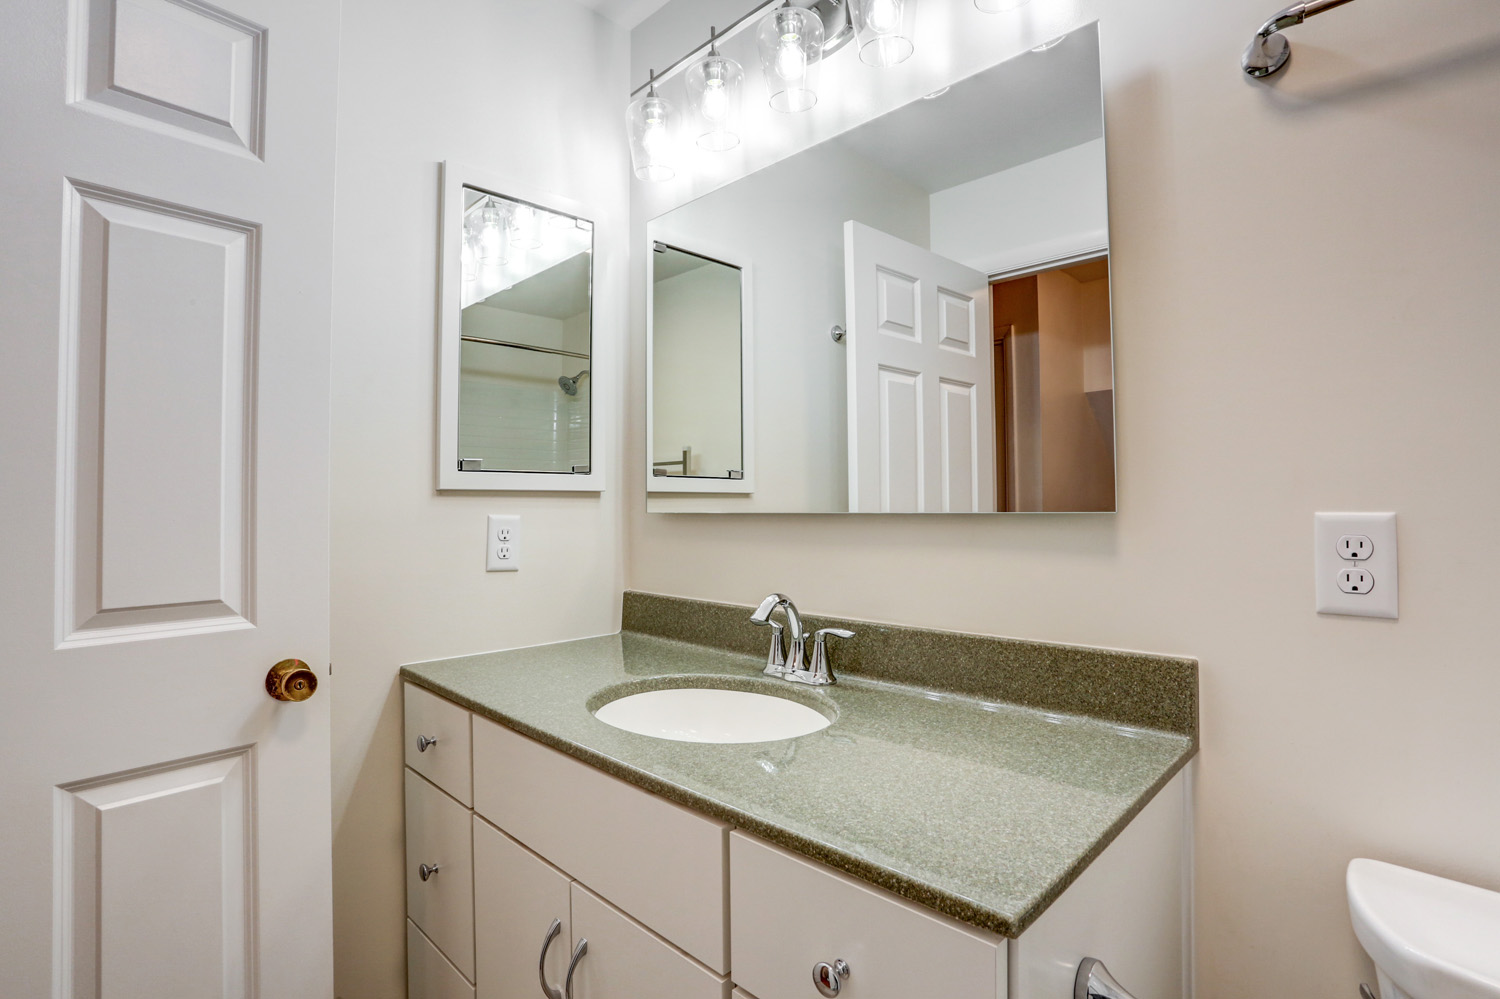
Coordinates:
(715,101)
(791,61)
(654,138)
(884,16)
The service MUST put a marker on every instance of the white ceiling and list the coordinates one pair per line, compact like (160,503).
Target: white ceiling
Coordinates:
(626,13)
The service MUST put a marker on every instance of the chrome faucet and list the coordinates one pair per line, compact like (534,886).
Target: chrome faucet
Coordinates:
(777,661)
(791,664)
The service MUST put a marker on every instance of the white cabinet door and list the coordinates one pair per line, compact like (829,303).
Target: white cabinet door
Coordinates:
(921,380)
(624,960)
(167,235)
(517,895)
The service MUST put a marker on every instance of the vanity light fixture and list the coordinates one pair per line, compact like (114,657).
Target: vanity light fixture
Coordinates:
(791,48)
(884,29)
(649,121)
(713,85)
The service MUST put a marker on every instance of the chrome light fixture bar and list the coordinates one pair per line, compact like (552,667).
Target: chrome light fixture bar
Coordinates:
(1269,50)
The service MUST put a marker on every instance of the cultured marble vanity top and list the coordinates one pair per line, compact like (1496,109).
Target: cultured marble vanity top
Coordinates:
(980,787)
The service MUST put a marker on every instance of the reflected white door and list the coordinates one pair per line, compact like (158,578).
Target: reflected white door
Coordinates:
(166,243)
(921,379)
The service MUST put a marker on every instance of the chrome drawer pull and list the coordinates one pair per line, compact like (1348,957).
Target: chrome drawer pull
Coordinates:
(829,978)
(578,952)
(541,962)
(424,741)
(426,871)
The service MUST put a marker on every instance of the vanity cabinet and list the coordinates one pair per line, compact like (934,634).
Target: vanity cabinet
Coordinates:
(676,905)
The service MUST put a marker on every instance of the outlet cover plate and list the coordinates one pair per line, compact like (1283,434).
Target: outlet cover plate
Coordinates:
(502,546)
(1380,528)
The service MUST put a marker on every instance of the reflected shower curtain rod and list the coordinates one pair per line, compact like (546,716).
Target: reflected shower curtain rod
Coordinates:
(1269,50)
(523,346)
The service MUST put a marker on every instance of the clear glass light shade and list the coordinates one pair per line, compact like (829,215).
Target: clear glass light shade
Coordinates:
(714,92)
(491,223)
(791,49)
(525,228)
(999,6)
(649,122)
(884,30)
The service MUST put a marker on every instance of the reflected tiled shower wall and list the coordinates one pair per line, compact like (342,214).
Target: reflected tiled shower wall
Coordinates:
(523,423)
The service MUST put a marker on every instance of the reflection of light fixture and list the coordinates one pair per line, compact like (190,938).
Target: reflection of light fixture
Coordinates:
(884,30)
(998,6)
(713,85)
(1049,44)
(649,121)
(791,47)
(936,94)
(491,235)
(525,228)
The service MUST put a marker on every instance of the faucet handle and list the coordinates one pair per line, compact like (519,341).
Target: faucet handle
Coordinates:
(819,672)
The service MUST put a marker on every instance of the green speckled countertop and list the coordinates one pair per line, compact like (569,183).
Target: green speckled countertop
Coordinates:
(981,810)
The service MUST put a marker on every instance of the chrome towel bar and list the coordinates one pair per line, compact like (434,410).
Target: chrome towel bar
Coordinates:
(1269,50)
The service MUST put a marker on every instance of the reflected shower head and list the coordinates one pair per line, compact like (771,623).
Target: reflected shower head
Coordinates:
(570,385)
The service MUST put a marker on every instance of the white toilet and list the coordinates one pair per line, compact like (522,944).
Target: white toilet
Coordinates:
(1430,938)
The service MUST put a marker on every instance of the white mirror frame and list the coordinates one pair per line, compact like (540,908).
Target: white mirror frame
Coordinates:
(728,255)
(455,177)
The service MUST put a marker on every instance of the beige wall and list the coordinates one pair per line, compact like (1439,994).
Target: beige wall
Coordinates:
(523,89)
(1303,322)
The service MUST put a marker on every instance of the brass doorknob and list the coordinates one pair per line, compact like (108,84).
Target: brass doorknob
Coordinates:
(291,680)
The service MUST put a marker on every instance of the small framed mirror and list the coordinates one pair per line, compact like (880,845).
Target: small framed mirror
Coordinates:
(516,339)
(699,415)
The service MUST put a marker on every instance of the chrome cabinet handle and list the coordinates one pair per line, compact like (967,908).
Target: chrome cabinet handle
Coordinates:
(829,978)
(426,871)
(541,962)
(578,952)
(1095,982)
(425,741)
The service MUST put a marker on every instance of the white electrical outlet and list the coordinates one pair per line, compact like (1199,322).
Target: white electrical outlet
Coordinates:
(1354,562)
(502,543)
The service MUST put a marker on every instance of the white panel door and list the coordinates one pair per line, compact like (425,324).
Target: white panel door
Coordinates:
(920,379)
(166,245)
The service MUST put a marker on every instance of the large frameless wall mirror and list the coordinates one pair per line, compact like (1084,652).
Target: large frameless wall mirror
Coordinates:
(517,339)
(931,306)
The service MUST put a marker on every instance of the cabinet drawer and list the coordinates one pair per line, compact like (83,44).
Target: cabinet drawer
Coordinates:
(516,896)
(624,960)
(660,862)
(438,834)
(788,914)
(445,762)
(429,975)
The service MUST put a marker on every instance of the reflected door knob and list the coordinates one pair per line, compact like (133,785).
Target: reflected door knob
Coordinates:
(291,680)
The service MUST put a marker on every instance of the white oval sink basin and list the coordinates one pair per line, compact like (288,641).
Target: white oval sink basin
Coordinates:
(706,714)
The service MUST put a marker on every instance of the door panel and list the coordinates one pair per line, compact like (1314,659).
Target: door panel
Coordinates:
(920,379)
(112,853)
(164,506)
